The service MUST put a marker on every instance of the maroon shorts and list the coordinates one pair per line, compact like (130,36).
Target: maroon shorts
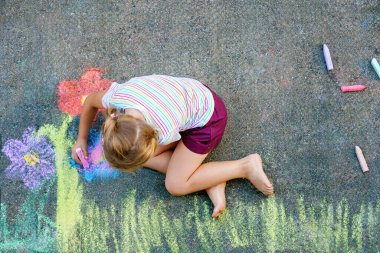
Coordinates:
(202,140)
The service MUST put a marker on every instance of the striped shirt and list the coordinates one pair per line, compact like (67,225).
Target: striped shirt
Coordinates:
(169,104)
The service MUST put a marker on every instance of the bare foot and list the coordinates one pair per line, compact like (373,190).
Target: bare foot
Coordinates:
(218,198)
(257,175)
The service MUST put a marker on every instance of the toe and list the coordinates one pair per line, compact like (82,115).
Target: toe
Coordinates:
(269,191)
(218,210)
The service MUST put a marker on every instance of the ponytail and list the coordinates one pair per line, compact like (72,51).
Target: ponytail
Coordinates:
(110,122)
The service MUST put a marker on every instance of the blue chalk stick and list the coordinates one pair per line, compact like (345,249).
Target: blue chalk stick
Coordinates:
(376,66)
(326,54)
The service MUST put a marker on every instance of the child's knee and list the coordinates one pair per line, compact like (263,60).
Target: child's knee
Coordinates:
(174,187)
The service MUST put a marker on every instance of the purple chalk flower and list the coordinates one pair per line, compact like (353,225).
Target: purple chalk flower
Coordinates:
(32,159)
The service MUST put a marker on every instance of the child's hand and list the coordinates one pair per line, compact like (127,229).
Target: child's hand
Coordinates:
(82,144)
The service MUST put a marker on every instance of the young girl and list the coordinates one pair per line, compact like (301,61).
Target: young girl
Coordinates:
(170,125)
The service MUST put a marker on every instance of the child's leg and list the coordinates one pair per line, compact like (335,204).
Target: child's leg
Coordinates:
(217,196)
(160,162)
(187,174)
(215,193)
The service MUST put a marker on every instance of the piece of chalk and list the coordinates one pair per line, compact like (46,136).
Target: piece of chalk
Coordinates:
(357,87)
(326,53)
(362,162)
(376,66)
(82,158)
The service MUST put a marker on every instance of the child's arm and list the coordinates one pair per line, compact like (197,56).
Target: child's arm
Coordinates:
(91,105)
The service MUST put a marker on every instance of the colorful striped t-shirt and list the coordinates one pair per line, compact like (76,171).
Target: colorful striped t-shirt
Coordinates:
(169,104)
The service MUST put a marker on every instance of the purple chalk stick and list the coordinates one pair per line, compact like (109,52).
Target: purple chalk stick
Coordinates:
(326,53)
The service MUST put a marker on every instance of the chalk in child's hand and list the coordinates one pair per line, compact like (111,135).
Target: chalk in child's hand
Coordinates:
(82,158)
(376,66)
(326,53)
(357,87)
(362,162)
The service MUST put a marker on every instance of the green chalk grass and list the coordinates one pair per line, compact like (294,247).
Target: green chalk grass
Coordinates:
(257,228)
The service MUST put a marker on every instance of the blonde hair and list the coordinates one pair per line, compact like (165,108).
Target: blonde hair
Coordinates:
(128,141)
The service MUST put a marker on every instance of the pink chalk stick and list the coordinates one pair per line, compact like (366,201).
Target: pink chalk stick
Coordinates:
(81,158)
(357,87)
(362,162)
(326,53)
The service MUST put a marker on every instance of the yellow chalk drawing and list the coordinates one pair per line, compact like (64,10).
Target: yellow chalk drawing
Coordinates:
(202,236)
(344,247)
(69,191)
(32,158)
(146,227)
(114,221)
(167,229)
(269,215)
(357,229)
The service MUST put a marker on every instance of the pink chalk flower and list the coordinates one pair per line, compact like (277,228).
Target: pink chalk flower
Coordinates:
(72,93)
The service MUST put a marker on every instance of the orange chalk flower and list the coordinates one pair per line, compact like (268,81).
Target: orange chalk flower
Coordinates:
(72,93)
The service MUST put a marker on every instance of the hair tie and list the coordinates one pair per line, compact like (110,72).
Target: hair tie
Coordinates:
(113,116)
(121,110)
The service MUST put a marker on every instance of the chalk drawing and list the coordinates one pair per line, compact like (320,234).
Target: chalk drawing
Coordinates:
(261,228)
(99,167)
(32,229)
(69,188)
(71,96)
(32,159)
(72,93)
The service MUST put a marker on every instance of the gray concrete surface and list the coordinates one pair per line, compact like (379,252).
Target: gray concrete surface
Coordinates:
(264,58)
